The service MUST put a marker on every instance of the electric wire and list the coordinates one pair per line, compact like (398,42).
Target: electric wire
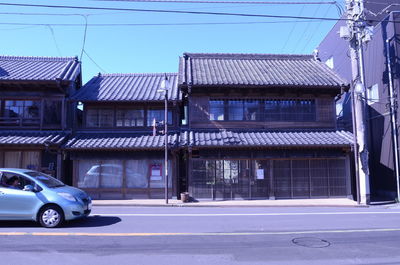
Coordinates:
(84,36)
(54,39)
(292,30)
(168,11)
(310,37)
(93,61)
(223,2)
(306,28)
(154,24)
(178,12)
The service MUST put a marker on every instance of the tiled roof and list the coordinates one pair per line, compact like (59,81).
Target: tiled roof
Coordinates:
(97,141)
(31,138)
(217,69)
(128,87)
(268,139)
(19,68)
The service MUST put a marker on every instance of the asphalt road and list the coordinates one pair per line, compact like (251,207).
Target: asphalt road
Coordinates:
(181,235)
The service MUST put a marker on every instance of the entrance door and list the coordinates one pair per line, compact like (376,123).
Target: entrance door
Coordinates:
(260,181)
(227,173)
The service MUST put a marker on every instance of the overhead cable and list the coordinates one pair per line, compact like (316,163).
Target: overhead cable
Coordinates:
(225,2)
(166,11)
(154,24)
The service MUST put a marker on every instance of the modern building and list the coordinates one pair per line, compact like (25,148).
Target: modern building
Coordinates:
(114,151)
(263,126)
(379,53)
(34,114)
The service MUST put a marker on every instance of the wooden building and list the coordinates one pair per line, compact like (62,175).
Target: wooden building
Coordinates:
(114,151)
(263,126)
(34,114)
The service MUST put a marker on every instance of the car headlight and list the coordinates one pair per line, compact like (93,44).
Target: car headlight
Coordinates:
(67,196)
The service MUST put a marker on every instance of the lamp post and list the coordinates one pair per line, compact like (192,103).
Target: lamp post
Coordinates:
(164,87)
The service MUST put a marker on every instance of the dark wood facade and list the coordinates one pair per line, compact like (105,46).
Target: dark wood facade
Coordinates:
(32,108)
(226,173)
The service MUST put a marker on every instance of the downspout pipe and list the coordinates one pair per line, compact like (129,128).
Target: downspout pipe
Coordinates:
(393,117)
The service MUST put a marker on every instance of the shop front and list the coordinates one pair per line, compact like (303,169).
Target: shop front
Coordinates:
(261,168)
(231,179)
(119,167)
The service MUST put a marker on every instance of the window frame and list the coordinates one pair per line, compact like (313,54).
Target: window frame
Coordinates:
(289,110)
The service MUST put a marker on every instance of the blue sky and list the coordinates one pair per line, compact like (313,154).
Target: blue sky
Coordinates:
(156,48)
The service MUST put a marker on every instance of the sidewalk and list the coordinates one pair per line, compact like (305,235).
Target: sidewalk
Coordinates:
(336,202)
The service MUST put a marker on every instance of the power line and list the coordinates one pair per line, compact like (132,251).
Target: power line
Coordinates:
(305,31)
(310,37)
(292,30)
(155,24)
(180,12)
(168,11)
(224,2)
(91,59)
(54,39)
(84,37)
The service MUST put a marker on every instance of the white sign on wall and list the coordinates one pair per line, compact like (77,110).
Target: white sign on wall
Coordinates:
(260,173)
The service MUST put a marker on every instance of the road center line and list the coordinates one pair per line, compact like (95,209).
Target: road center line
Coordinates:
(236,214)
(195,234)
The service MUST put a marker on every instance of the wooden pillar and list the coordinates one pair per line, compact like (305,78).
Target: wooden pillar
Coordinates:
(348,177)
(271,180)
(59,167)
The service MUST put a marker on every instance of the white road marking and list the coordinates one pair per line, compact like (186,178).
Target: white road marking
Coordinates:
(235,214)
(197,234)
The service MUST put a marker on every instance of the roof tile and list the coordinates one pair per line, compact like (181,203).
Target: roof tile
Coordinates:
(257,70)
(22,68)
(128,87)
(269,139)
(31,138)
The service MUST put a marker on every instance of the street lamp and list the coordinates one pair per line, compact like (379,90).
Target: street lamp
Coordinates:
(164,87)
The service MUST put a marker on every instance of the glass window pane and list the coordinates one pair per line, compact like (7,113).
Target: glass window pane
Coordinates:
(88,174)
(130,118)
(106,118)
(136,173)
(272,110)
(251,110)
(92,118)
(111,174)
(52,112)
(216,110)
(31,109)
(158,115)
(235,109)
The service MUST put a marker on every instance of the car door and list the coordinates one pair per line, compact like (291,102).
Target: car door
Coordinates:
(17,204)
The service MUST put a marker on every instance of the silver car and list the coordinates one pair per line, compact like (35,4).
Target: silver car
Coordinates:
(30,195)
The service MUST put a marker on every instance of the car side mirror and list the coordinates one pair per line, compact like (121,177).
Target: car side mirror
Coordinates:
(28,188)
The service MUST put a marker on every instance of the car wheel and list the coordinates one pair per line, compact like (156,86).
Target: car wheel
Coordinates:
(51,216)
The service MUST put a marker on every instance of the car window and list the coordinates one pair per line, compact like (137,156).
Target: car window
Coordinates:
(45,179)
(14,181)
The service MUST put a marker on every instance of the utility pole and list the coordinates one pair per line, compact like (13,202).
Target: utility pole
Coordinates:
(356,33)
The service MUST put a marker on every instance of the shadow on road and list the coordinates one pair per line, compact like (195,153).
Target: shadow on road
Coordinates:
(94,221)
(91,221)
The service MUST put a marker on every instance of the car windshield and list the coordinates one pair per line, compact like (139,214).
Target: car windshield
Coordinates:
(46,179)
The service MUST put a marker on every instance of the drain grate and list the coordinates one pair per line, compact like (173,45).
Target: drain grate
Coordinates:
(311,242)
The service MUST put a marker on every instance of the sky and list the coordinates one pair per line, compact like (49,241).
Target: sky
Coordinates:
(148,42)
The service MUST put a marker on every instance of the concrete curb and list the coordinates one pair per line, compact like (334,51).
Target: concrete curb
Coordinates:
(255,203)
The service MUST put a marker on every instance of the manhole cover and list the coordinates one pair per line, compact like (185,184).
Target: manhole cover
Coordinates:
(311,242)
